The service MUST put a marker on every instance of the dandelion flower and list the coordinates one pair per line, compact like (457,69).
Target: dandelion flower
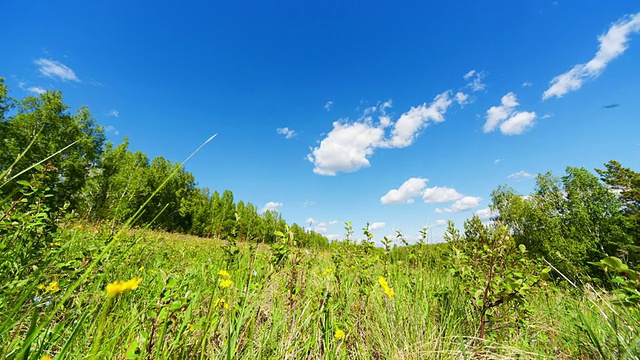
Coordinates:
(224,273)
(41,287)
(141,269)
(53,287)
(339,335)
(225,283)
(191,327)
(46,357)
(222,303)
(118,287)
(327,272)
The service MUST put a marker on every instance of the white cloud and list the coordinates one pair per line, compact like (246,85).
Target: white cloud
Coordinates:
(612,45)
(485,214)
(333,222)
(511,122)
(439,211)
(328,105)
(462,99)
(310,221)
(114,113)
(520,175)
(440,223)
(410,123)
(440,195)
(377,225)
(466,203)
(55,69)
(36,90)
(321,228)
(111,129)
(405,193)
(308,203)
(272,206)
(546,116)
(288,133)
(527,84)
(497,161)
(348,146)
(475,80)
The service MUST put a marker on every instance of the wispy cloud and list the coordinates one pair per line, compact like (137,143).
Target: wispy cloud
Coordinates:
(114,113)
(612,44)
(328,105)
(511,121)
(377,225)
(527,84)
(56,70)
(349,145)
(439,223)
(271,206)
(288,133)
(497,161)
(461,98)
(405,193)
(486,214)
(520,175)
(111,129)
(475,80)
(36,90)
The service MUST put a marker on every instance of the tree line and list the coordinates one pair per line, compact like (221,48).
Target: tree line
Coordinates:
(104,183)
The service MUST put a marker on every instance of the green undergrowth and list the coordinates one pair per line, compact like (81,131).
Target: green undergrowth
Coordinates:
(194,302)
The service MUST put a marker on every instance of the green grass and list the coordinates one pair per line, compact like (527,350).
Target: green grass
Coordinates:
(286,311)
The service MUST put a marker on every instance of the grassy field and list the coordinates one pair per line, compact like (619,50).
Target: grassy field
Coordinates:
(183,297)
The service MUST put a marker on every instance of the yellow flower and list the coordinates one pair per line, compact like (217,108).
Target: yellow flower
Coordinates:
(225,283)
(117,287)
(327,272)
(46,357)
(53,287)
(339,335)
(41,287)
(141,269)
(222,303)
(385,286)
(191,327)
(224,273)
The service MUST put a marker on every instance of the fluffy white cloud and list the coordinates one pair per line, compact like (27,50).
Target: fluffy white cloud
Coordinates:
(321,228)
(475,80)
(377,225)
(511,122)
(288,133)
(271,206)
(486,214)
(440,195)
(56,70)
(348,146)
(520,175)
(410,123)
(466,203)
(612,45)
(333,222)
(328,105)
(461,98)
(310,221)
(36,90)
(405,193)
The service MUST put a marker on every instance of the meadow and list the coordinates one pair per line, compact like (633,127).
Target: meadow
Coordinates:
(152,295)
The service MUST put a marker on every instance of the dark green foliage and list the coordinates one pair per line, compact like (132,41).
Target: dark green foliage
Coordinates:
(568,221)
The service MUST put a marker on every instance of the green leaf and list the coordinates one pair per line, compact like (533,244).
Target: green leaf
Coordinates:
(132,349)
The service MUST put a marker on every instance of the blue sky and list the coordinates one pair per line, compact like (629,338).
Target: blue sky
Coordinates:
(403,115)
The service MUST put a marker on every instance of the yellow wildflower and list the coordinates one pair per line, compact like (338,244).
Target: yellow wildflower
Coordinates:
(191,327)
(385,286)
(117,287)
(141,269)
(224,273)
(53,287)
(46,357)
(339,335)
(222,303)
(41,287)
(327,272)
(225,283)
